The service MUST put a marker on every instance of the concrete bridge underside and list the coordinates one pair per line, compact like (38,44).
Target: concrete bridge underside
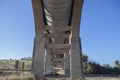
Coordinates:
(57,45)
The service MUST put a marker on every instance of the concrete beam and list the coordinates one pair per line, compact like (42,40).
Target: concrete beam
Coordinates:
(56,59)
(64,46)
(57,35)
(58,28)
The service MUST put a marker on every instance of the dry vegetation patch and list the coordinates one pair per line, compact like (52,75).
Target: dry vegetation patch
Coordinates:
(20,77)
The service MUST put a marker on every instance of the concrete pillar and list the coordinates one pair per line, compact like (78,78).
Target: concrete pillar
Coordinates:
(76,60)
(38,60)
(75,50)
(67,64)
(48,63)
(39,42)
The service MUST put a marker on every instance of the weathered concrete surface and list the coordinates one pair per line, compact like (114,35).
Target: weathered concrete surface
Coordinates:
(76,50)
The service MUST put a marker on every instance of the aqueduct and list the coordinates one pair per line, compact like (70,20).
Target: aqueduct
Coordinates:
(57,45)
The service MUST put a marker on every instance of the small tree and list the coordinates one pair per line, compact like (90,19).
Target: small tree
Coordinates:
(117,65)
(85,62)
(85,58)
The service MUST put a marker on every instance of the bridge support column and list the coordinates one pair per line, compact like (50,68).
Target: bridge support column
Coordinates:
(75,50)
(48,63)
(38,65)
(67,64)
(38,60)
(76,60)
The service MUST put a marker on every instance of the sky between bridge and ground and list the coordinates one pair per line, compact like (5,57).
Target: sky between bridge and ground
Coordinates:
(100,29)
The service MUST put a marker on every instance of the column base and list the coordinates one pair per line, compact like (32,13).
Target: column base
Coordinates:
(37,77)
(77,79)
(67,72)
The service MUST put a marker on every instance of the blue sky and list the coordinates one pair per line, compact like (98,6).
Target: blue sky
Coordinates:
(100,29)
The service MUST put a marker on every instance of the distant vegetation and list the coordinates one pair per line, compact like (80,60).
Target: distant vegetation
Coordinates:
(91,67)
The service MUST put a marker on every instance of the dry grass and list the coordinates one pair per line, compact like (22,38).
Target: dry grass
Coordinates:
(10,64)
(20,77)
(30,77)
